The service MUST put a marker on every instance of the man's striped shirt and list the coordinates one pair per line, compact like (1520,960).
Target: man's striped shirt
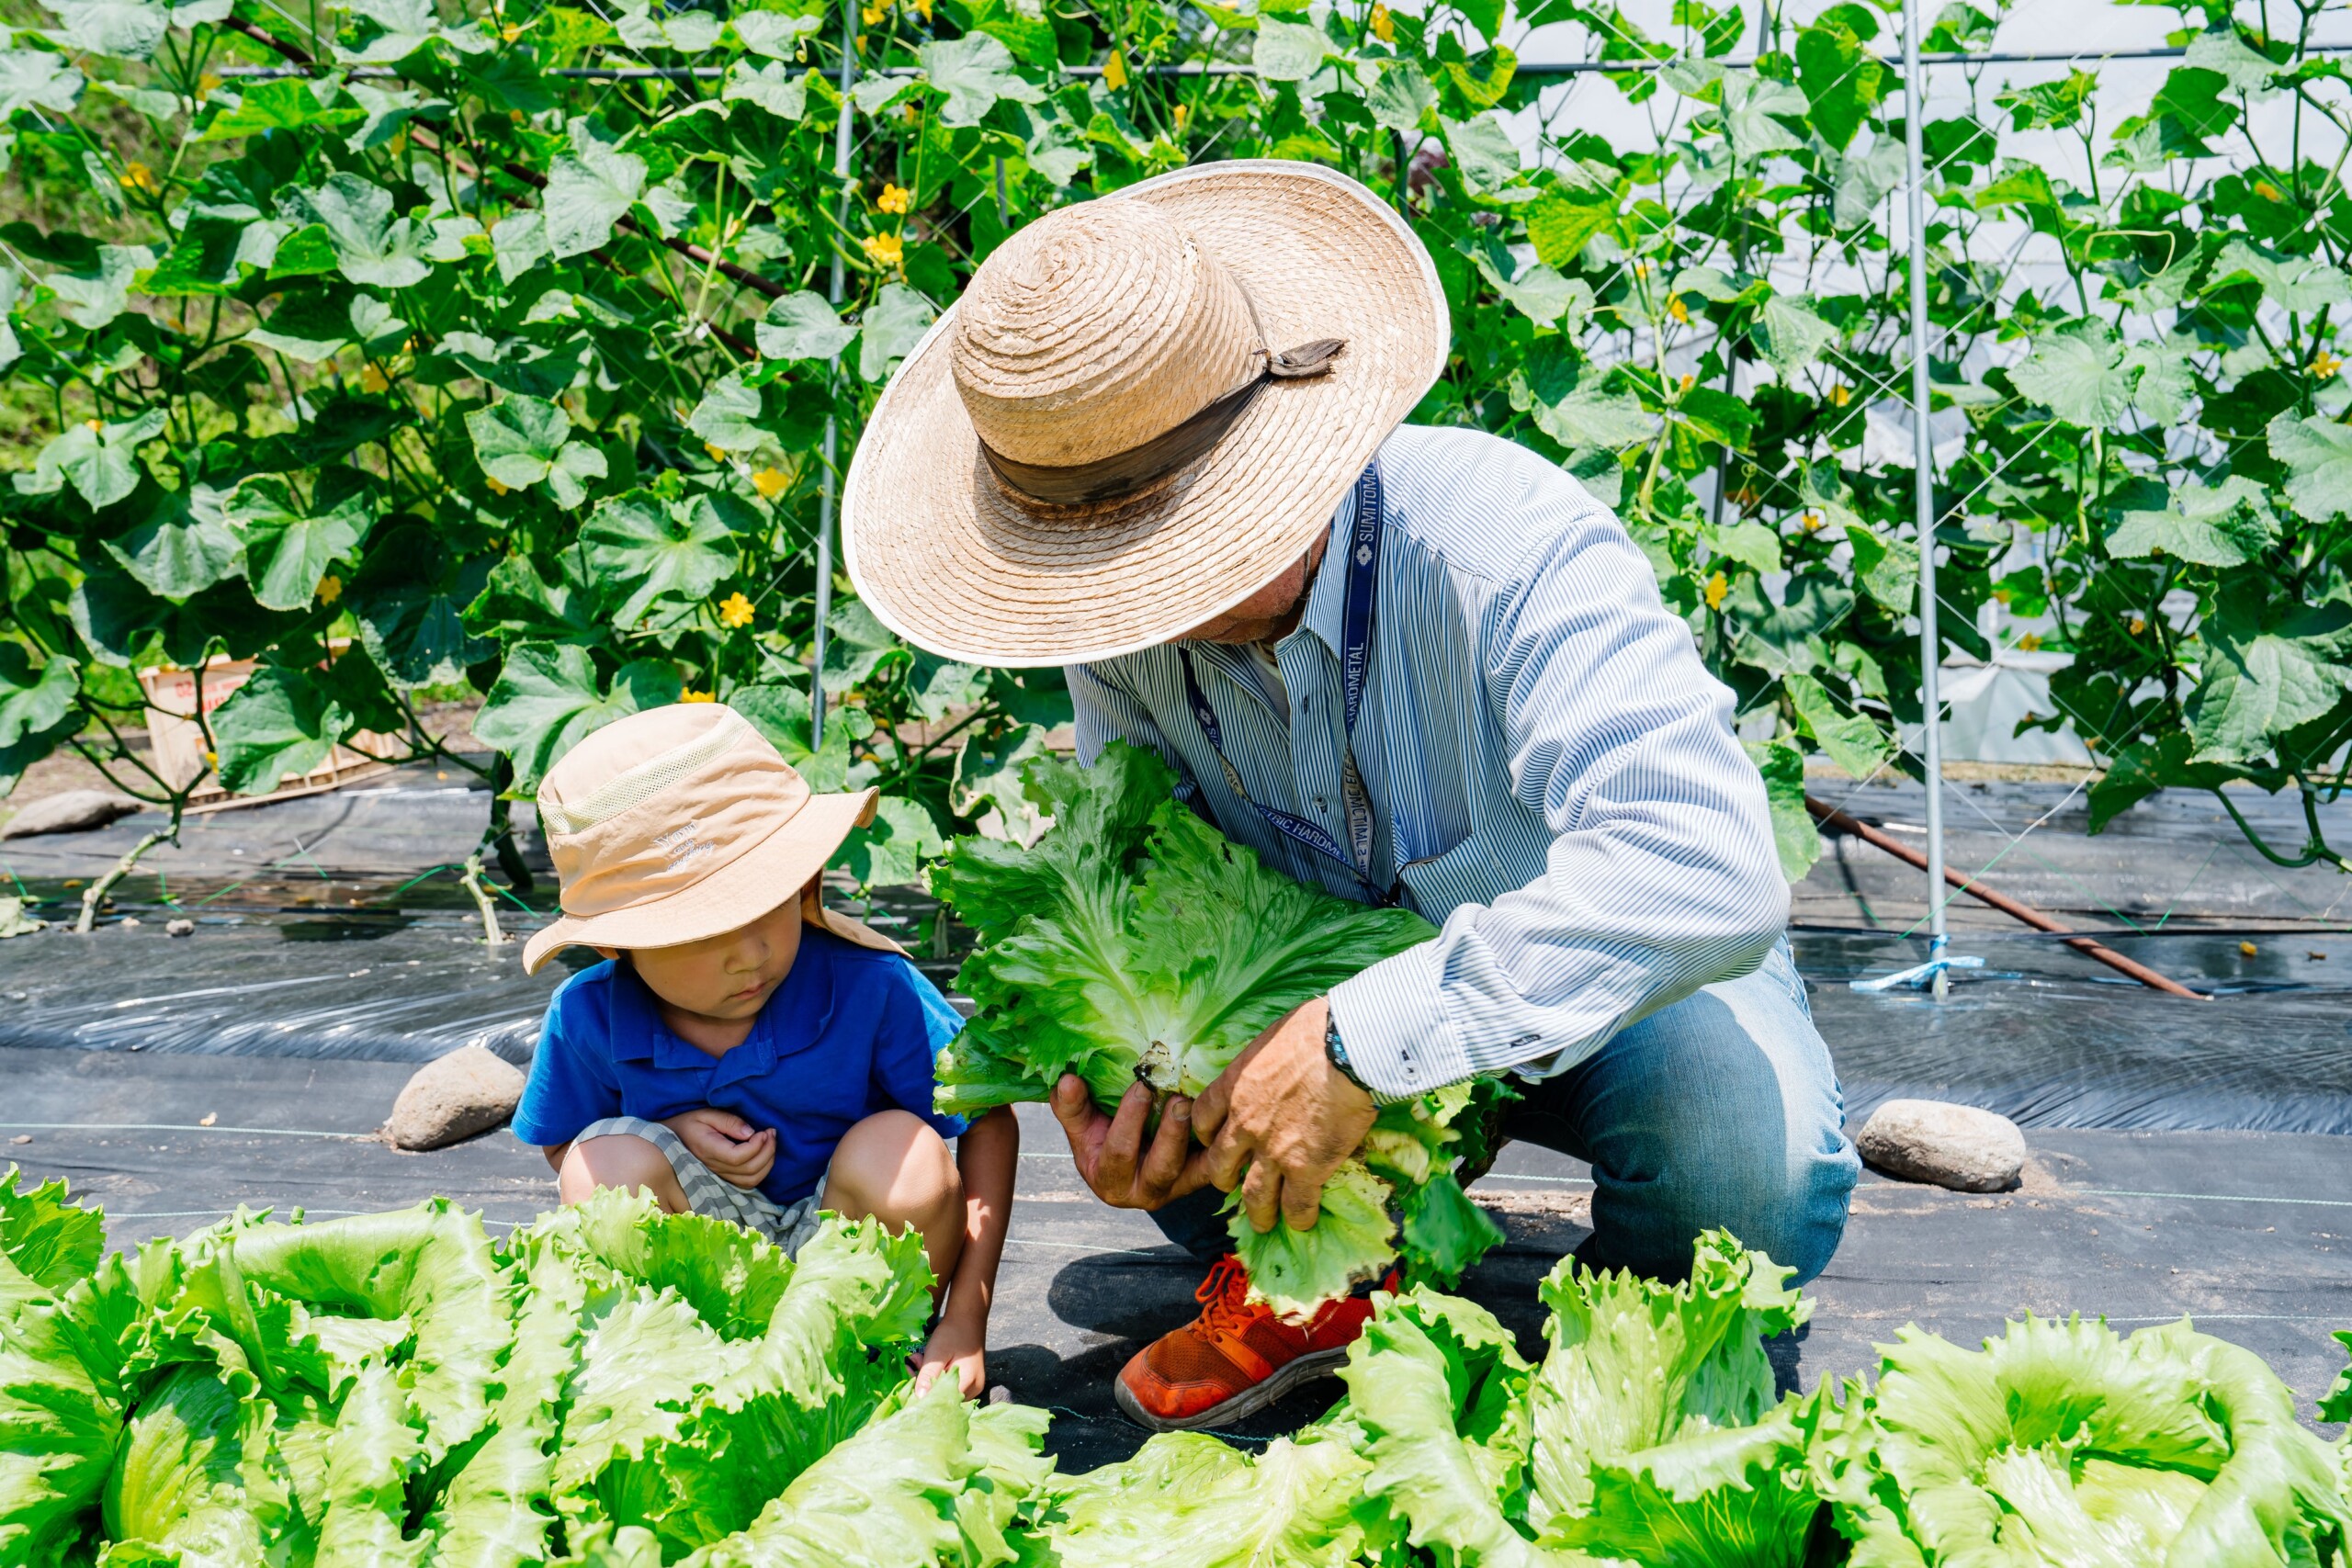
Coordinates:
(1552,771)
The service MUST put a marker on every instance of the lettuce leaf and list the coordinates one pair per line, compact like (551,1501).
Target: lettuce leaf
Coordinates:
(2059,1443)
(884,1498)
(194,1475)
(1188,1500)
(1634,1364)
(1438,1394)
(59,1428)
(431,1267)
(1353,1240)
(53,1243)
(1134,942)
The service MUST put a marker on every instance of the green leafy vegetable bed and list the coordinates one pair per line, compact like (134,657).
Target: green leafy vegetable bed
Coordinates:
(1134,942)
(613,1386)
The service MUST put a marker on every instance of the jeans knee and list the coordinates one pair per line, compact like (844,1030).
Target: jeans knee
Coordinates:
(1787,1202)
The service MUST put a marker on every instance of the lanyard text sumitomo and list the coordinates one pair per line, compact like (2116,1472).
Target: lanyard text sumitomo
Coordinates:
(1355,642)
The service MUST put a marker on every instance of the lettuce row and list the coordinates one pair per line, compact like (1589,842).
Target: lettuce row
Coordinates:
(1650,1435)
(612,1384)
(1134,942)
(635,1390)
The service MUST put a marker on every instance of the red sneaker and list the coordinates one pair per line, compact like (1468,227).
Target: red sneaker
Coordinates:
(1237,1357)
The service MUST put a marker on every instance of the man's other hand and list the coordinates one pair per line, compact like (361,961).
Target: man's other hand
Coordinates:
(1282,1114)
(1109,1150)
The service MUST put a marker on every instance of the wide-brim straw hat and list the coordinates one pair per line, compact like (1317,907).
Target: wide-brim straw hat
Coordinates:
(1100,344)
(681,823)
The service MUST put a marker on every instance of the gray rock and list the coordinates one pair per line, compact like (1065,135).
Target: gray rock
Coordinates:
(468,1092)
(75,811)
(179,927)
(1957,1146)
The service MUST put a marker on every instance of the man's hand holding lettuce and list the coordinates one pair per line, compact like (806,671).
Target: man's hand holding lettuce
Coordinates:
(1137,949)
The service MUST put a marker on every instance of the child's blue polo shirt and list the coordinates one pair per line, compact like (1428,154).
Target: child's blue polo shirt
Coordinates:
(851,1032)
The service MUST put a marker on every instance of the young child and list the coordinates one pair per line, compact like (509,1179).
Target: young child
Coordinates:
(744,1052)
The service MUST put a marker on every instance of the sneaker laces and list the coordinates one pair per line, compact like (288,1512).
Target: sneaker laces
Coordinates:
(1225,1298)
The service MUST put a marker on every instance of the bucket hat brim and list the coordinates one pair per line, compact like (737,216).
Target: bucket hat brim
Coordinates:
(769,874)
(948,559)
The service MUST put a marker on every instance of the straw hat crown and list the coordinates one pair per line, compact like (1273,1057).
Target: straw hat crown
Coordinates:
(1144,408)
(1094,330)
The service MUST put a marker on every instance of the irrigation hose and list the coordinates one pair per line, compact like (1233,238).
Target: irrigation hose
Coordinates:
(1831,817)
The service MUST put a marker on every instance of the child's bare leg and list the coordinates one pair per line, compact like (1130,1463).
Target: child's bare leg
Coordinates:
(623,1161)
(894,1167)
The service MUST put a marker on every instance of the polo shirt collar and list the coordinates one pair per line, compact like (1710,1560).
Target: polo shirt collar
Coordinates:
(794,1020)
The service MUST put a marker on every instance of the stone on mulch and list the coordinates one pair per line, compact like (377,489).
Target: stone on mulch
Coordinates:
(1957,1146)
(75,811)
(468,1092)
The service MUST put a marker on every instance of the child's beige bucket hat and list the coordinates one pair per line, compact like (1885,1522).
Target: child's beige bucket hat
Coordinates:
(1144,408)
(681,823)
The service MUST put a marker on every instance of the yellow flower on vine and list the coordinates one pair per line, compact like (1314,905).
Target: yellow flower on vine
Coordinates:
(1384,26)
(207,84)
(894,199)
(734,611)
(1717,586)
(885,250)
(2028,642)
(496,488)
(509,32)
(871,15)
(1687,382)
(1840,395)
(2267,191)
(2000,596)
(373,379)
(1640,269)
(1184,115)
(717,454)
(771,484)
(2324,364)
(138,177)
(1114,71)
(1678,311)
(1813,520)
(2139,625)
(330,589)
(922,8)
(691,695)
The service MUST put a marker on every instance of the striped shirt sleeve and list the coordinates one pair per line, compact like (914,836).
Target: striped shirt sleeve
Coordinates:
(1659,877)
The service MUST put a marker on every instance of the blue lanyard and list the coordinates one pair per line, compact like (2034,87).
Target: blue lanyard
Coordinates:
(1356,662)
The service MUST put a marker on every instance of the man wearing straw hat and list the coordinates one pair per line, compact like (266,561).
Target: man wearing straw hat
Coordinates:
(1159,442)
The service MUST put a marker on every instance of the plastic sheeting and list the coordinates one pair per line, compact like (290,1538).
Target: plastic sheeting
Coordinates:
(2050,1039)
(374,984)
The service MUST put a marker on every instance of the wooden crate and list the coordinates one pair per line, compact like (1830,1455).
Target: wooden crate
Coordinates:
(178,741)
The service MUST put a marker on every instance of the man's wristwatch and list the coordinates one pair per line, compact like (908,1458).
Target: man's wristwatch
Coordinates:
(1336,1053)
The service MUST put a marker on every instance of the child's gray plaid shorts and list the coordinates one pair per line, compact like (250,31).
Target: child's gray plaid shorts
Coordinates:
(789,1226)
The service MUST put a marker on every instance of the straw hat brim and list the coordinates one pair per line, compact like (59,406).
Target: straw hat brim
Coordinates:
(771,873)
(950,561)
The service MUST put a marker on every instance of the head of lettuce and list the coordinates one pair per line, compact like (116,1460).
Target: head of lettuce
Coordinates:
(1159,444)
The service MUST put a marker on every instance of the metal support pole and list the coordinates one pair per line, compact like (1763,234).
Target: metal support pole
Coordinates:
(833,425)
(1915,112)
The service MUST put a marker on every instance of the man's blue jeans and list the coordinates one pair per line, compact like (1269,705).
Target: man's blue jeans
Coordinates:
(1721,1111)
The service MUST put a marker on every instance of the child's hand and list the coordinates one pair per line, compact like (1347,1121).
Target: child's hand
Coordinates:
(959,1350)
(739,1152)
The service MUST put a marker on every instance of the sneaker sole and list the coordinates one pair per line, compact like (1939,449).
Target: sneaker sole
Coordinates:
(1304,1368)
